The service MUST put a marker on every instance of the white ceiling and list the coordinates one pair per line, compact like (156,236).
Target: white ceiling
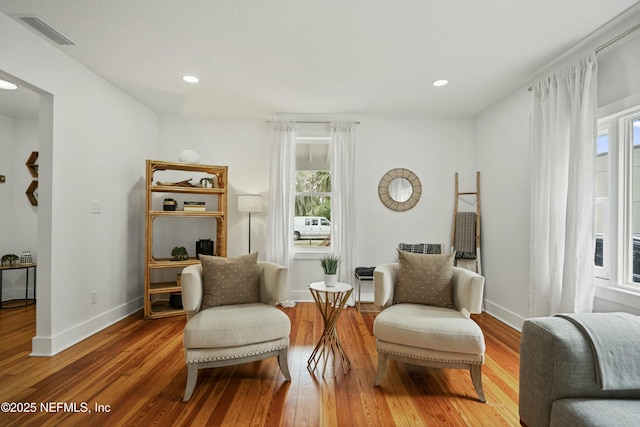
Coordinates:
(258,57)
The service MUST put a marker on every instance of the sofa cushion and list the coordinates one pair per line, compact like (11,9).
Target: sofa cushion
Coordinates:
(595,412)
(424,279)
(237,325)
(434,328)
(230,280)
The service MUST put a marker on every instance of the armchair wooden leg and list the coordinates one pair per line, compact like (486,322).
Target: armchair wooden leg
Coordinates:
(476,378)
(382,367)
(283,361)
(192,378)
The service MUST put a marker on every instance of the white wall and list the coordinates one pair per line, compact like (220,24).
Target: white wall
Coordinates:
(433,149)
(502,154)
(94,140)
(18,219)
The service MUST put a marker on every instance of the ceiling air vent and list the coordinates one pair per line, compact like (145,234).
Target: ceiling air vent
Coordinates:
(45,29)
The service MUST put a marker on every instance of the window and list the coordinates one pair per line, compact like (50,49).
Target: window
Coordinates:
(617,199)
(312,207)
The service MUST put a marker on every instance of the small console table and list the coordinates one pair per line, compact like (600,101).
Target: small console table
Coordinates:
(330,301)
(26,286)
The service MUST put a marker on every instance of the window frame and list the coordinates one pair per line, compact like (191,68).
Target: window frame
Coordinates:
(298,250)
(618,239)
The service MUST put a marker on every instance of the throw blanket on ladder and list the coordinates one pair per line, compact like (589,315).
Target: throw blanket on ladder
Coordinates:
(615,341)
(465,236)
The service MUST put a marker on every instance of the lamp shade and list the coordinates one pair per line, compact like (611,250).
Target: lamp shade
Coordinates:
(249,203)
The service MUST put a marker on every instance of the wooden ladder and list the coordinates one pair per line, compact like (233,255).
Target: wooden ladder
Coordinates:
(470,264)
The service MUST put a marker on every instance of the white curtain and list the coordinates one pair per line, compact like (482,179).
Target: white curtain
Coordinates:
(281,197)
(343,153)
(563,132)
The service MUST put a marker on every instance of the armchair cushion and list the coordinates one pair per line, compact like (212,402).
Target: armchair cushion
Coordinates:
(236,325)
(434,328)
(230,280)
(424,279)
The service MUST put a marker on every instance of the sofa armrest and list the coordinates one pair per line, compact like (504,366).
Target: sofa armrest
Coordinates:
(556,362)
(384,281)
(191,289)
(468,291)
(273,282)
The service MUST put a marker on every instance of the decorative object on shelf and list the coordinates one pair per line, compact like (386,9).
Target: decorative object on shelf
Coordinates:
(26,257)
(169,204)
(175,300)
(188,156)
(329,265)
(204,247)
(10,259)
(185,183)
(399,189)
(206,182)
(249,203)
(179,253)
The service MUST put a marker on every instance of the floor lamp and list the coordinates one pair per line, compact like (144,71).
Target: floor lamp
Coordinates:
(249,203)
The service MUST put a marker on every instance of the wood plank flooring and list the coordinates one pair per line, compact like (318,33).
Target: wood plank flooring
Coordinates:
(133,374)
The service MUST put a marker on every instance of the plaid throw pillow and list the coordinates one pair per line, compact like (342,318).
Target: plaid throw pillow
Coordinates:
(420,248)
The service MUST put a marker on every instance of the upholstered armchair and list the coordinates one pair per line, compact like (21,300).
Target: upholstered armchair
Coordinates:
(232,331)
(436,331)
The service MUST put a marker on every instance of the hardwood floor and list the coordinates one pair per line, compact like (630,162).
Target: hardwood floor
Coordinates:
(134,372)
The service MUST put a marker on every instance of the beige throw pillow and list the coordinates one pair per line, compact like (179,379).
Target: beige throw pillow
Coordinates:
(424,279)
(230,280)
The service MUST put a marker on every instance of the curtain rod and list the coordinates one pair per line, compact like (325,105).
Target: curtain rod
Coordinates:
(310,122)
(618,37)
(610,42)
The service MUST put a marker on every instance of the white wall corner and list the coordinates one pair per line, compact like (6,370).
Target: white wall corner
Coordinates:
(506,316)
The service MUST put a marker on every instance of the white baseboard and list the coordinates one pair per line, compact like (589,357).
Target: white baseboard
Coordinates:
(506,316)
(49,346)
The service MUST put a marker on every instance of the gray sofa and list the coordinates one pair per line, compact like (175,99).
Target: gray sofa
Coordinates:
(558,384)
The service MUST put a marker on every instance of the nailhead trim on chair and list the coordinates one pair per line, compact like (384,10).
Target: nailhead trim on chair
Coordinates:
(413,356)
(235,356)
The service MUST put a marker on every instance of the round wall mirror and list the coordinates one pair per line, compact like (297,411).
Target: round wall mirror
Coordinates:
(399,189)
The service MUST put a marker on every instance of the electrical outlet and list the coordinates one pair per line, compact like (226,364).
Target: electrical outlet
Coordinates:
(94,297)
(96,207)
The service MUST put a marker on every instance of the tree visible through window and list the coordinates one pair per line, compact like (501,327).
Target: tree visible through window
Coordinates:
(312,208)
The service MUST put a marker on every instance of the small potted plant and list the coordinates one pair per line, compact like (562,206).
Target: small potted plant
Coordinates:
(10,259)
(206,182)
(169,204)
(329,265)
(179,253)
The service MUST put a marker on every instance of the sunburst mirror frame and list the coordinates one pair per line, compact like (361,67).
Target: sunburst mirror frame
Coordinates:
(385,182)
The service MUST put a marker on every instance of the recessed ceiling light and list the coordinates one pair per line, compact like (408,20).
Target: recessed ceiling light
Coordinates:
(439,83)
(7,85)
(190,79)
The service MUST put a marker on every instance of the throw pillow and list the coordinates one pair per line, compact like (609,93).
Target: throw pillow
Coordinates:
(230,280)
(424,279)
(420,248)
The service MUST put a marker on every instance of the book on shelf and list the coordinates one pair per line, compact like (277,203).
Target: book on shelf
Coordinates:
(194,206)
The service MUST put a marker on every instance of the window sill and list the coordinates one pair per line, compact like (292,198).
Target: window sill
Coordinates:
(622,296)
(311,253)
